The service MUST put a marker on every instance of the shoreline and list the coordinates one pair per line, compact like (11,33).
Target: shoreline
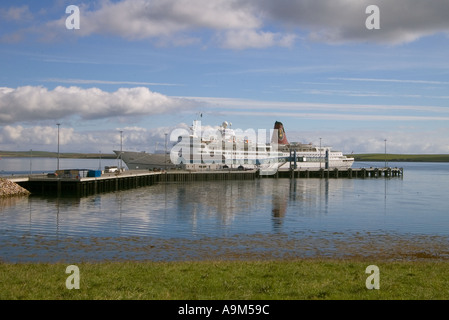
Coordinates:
(11,189)
(47,154)
(374,157)
(351,246)
(378,157)
(411,267)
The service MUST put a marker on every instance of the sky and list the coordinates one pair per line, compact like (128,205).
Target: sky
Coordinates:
(354,77)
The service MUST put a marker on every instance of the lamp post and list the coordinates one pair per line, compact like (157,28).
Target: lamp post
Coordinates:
(320,153)
(385,153)
(31,161)
(100,162)
(165,156)
(121,149)
(58,124)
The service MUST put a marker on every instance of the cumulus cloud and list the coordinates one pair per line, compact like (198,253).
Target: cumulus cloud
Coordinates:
(373,141)
(40,137)
(338,21)
(244,39)
(159,19)
(45,138)
(30,103)
(17,14)
(241,24)
(135,138)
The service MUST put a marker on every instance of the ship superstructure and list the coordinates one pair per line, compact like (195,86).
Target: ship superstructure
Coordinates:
(226,148)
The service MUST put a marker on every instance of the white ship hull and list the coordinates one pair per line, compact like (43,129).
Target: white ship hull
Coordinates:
(145,161)
(210,155)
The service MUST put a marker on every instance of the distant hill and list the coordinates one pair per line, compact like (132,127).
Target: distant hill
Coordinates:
(401,157)
(357,157)
(46,154)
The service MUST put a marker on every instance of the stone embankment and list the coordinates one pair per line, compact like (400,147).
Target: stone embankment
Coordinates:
(10,189)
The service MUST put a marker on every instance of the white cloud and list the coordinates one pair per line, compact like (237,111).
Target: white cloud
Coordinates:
(158,19)
(340,21)
(394,81)
(31,103)
(261,23)
(44,138)
(371,141)
(18,14)
(244,39)
(324,110)
(88,81)
(37,135)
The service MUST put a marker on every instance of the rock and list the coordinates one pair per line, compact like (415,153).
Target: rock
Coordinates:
(9,189)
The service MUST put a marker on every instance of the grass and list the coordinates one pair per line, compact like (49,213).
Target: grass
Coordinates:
(357,157)
(226,280)
(46,154)
(401,157)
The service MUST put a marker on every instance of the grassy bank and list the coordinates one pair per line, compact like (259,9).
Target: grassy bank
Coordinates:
(401,157)
(357,157)
(46,154)
(262,280)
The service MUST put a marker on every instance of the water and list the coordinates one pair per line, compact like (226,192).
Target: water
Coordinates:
(25,166)
(231,219)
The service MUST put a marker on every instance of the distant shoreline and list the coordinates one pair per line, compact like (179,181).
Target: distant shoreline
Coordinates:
(357,157)
(46,154)
(401,157)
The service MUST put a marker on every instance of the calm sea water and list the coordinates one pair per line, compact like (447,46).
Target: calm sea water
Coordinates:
(40,228)
(25,166)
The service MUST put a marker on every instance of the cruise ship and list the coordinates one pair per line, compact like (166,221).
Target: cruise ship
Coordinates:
(226,148)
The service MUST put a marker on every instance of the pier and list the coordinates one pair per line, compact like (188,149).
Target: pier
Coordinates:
(112,182)
(80,187)
(341,173)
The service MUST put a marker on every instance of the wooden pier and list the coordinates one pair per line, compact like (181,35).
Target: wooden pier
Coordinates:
(111,182)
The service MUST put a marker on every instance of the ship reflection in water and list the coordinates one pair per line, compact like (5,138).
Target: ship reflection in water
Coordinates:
(230,216)
(312,194)
(214,208)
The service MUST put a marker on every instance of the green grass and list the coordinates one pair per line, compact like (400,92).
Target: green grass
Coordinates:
(401,157)
(224,280)
(46,154)
(357,157)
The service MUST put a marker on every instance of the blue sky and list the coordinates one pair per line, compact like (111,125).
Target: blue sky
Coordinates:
(148,67)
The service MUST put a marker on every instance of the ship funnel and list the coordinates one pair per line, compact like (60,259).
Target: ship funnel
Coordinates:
(281,136)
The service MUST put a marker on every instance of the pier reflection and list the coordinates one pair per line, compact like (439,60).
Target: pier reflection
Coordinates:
(187,209)
(305,198)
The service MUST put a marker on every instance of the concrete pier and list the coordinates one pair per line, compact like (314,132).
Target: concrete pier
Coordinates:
(81,187)
(111,182)
(341,173)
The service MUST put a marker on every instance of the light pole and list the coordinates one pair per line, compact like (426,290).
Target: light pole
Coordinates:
(100,162)
(31,161)
(58,124)
(385,153)
(165,161)
(320,153)
(121,148)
